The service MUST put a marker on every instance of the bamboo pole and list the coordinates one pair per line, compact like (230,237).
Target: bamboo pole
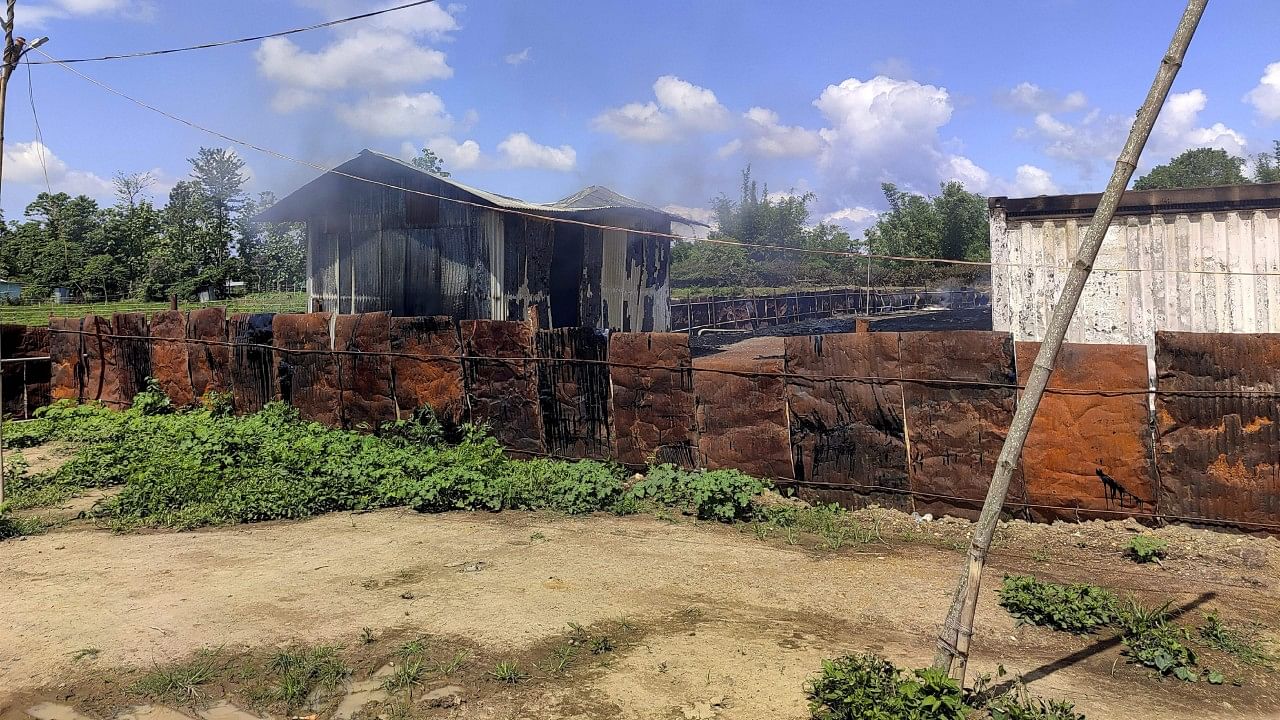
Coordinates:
(957,629)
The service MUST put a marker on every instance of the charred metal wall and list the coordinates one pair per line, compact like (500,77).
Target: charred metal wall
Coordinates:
(373,248)
(26,380)
(909,420)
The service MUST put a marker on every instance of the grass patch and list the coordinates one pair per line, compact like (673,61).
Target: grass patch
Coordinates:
(294,673)
(1244,641)
(507,671)
(1147,548)
(182,682)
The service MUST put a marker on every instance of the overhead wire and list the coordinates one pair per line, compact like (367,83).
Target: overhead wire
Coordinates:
(601,226)
(242,40)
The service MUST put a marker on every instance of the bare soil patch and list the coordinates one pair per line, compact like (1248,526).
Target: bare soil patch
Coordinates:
(725,622)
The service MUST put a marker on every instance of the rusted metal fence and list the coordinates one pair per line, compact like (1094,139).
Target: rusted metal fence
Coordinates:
(909,420)
(757,311)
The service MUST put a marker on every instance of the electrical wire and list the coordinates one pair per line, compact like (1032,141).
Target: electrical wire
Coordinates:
(599,226)
(240,41)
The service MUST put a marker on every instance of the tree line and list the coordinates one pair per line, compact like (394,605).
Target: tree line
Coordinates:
(951,224)
(1205,167)
(201,239)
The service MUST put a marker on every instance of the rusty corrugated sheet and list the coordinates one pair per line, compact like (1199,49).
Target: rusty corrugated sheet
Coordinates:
(955,432)
(574,395)
(133,343)
(848,434)
(66,351)
(308,380)
(26,384)
(209,361)
(503,383)
(742,420)
(1090,452)
(434,381)
(653,402)
(103,371)
(1217,451)
(253,368)
(170,364)
(367,397)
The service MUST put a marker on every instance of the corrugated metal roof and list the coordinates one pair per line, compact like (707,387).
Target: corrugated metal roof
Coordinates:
(592,198)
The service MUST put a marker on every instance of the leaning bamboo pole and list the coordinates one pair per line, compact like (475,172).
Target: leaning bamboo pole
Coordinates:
(957,629)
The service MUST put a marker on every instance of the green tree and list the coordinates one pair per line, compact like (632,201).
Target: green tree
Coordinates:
(431,162)
(275,254)
(951,225)
(1201,167)
(1266,168)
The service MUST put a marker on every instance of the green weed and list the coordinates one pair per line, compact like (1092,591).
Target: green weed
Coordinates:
(297,671)
(1076,608)
(1151,640)
(181,682)
(508,672)
(1147,548)
(1242,640)
(723,495)
(454,663)
(406,676)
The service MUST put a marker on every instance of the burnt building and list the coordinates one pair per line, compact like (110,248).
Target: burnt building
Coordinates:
(383,234)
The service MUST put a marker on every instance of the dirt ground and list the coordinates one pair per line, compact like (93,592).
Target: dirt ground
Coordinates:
(712,621)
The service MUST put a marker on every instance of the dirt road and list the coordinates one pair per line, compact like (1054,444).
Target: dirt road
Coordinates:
(768,612)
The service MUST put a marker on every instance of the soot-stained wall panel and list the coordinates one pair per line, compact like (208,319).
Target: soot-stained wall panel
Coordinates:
(208,360)
(573,388)
(308,376)
(367,396)
(103,364)
(848,434)
(1218,426)
(26,384)
(955,430)
(134,346)
(253,366)
(503,382)
(434,377)
(1089,453)
(170,364)
(653,402)
(66,353)
(742,414)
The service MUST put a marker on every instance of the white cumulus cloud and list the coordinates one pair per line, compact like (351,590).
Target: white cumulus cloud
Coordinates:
(434,20)
(456,155)
(1031,98)
(1265,98)
(1030,180)
(769,137)
(679,109)
(39,14)
(368,57)
(27,163)
(519,150)
(398,115)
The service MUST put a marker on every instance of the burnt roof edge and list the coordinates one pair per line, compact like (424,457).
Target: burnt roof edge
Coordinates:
(1146,202)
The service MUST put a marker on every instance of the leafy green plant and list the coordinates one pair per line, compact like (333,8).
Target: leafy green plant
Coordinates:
(1242,640)
(601,644)
(152,400)
(12,526)
(405,677)
(454,663)
(1076,608)
(1018,704)
(868,687)
(1151,640)
(1147,548)
(723,495)
(573,488)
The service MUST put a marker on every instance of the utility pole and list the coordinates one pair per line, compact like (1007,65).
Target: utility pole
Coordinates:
(14,49)
(957,630)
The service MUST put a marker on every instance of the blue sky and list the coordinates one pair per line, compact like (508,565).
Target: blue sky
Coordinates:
(663,100)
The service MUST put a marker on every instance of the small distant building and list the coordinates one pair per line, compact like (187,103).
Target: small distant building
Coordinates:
(449,249)
(1195,260)
(10,290)
(61,295)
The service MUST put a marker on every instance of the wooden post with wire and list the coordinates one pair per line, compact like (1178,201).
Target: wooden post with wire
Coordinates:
(14,49)
(957,629)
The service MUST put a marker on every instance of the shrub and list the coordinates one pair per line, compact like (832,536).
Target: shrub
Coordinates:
(866,686)
(1018,704)
(1147,548)
(1076,608)
(723,495)
(1151,640)
(569,487)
